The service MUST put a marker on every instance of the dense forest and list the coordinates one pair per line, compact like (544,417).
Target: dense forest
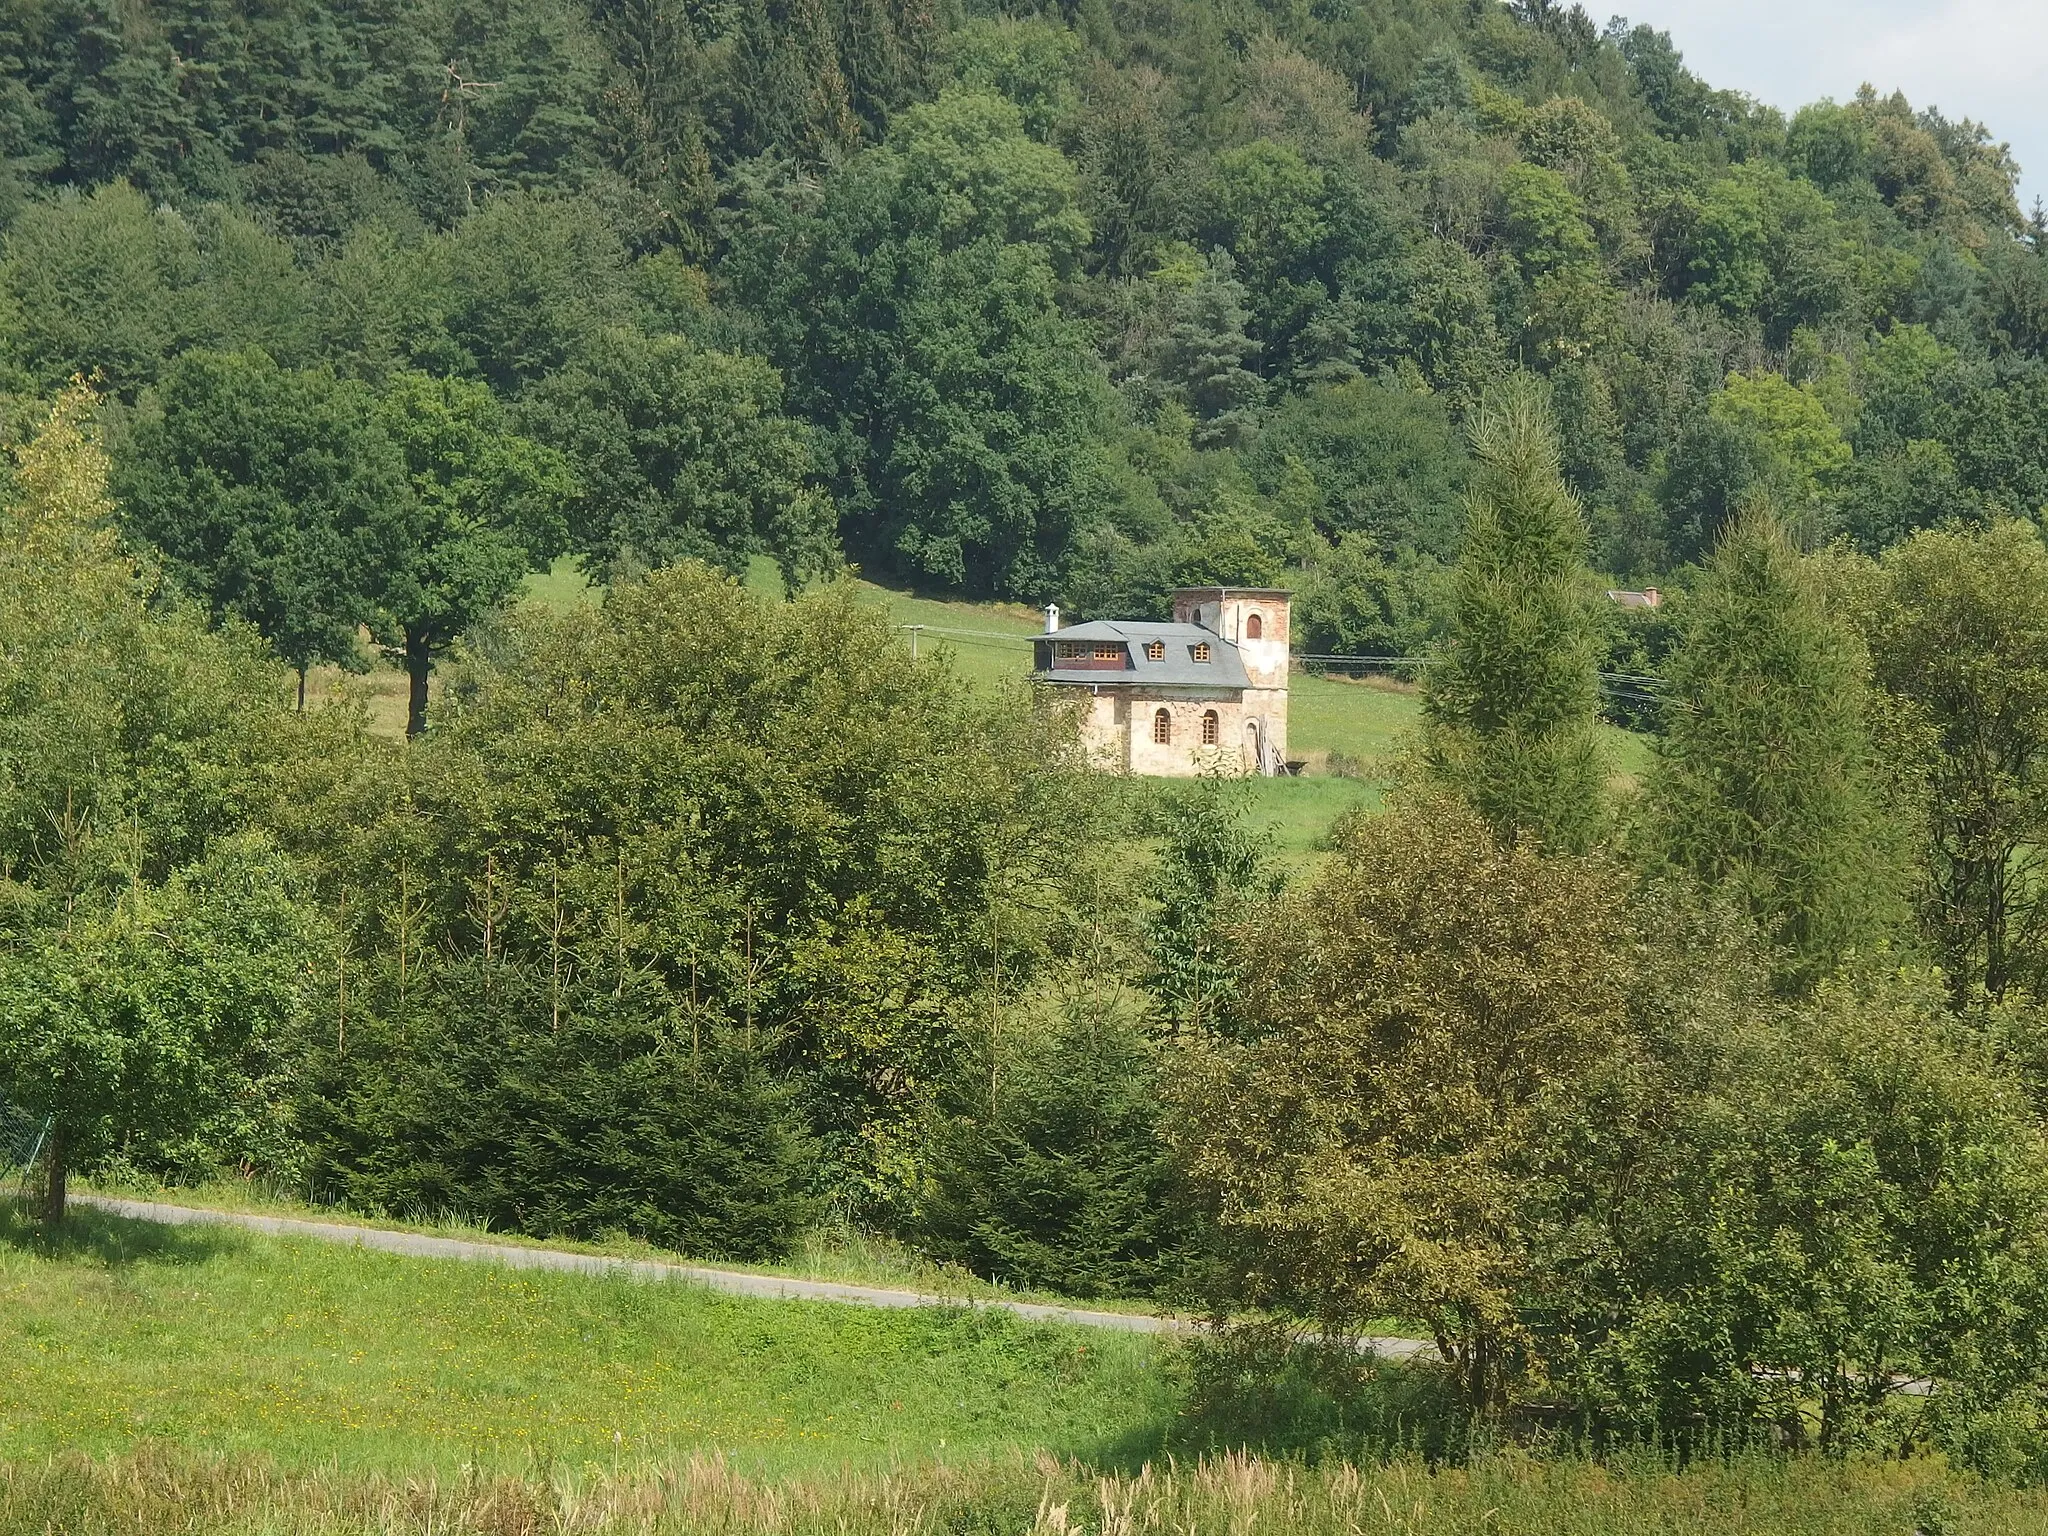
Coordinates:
(1702,1107)
(1073,305)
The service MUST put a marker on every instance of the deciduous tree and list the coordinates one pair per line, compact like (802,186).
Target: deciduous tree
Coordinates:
(914,314)
(1958,634)
(145,947)
(485,506)
(1367,1122)
(681,452)
(272,495)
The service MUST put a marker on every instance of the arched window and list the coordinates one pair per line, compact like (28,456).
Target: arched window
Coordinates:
(1211,727)
(1254,627)
(1162,728)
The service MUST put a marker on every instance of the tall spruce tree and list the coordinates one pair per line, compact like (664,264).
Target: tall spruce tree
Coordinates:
(1511,703)
(1763,785)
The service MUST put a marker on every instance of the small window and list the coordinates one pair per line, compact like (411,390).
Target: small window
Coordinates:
(1201,652)
(1162,728)
(1212,728)
(1254,627)
(1155,650)
(1069,652)
(1109,653)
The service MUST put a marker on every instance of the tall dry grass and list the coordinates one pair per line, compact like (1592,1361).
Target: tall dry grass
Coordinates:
(166,1492)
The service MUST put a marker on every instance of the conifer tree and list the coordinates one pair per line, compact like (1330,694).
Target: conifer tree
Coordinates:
(1763,784)
(1207,353)
(1510,703)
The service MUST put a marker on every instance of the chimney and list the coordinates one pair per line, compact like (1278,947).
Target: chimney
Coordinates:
(1052,618)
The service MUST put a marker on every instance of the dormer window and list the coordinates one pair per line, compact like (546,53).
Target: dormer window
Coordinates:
(1155,650)
(1200,652)
(1109,653)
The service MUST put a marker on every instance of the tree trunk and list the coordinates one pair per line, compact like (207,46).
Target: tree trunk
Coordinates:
(56,1176)
(302,690)
(419,660)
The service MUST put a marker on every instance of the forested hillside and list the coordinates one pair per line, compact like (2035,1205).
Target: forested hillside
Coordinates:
(1700,1108)
(1070,305)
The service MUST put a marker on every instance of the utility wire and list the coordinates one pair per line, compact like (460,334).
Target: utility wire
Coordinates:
(1627,687)
(980,634)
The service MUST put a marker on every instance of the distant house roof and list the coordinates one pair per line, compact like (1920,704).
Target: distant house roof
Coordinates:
(1649,597)
(1177,666)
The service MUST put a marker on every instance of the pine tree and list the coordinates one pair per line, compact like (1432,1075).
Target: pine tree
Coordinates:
(1510,703)
(1209,355)
(1763,785)
(789,94)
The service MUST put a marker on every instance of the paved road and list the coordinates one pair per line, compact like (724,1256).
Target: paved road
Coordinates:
(736,1282)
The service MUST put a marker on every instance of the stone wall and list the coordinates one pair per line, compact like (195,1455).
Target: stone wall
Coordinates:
(1118,731)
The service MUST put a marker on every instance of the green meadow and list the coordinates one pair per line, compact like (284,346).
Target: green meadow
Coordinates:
(127,1336)
(214,1381)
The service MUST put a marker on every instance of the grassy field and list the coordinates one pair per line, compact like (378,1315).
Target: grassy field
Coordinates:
(214,1341)
(987,642)
(562,587)
(215,1381)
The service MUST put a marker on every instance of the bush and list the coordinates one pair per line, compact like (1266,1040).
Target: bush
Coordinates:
(1808,1210)
(1559,1120)
(594,1118)
(1353,602)
(1260,1386)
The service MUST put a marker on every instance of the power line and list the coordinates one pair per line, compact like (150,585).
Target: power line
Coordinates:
(1622,687)
(1642,680)
(981,634)
(1625,687)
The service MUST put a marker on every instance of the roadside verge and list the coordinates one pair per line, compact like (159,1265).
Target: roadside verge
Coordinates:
(731,1281)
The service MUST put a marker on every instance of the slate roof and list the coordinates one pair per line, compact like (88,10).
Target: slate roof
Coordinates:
(1223,669)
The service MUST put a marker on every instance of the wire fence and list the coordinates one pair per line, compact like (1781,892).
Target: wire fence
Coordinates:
(21,1142)
(982,637)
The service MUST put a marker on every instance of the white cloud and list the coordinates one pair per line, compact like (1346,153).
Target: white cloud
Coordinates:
(1983,59)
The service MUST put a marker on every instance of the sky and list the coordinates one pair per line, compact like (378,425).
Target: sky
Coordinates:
(1982,59)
